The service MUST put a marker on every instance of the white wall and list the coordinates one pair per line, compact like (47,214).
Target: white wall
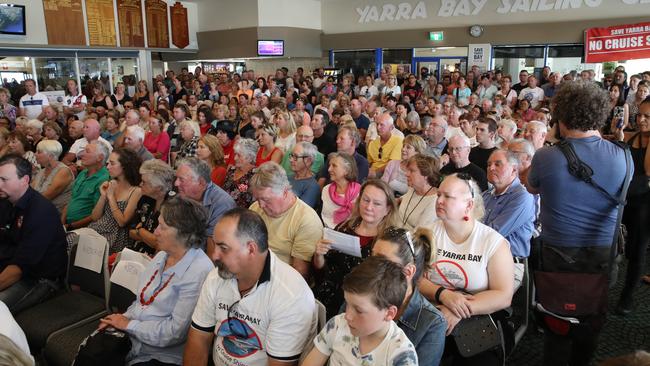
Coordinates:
(264,67)
(345,16)
(290,13)
(37,32)
(35,19)
(226,14)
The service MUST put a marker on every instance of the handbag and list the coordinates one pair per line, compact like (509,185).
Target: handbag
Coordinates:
(107,347)
(476,334)
(571,294)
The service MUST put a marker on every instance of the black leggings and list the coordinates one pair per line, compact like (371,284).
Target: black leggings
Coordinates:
(636,218)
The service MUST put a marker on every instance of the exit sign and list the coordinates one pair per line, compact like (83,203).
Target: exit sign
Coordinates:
(436,36)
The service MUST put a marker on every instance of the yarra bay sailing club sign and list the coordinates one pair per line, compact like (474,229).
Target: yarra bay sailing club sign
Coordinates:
(404,11)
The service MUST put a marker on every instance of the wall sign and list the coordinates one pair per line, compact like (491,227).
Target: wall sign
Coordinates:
(64,22)
(622,42)
(157,31)
(129,14)
(101,23)
(180,28)
(479,55)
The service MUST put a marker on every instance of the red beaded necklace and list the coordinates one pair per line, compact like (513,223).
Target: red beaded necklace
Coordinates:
(153,297)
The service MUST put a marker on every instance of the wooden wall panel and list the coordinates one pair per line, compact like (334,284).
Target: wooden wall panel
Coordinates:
(129,15)
(101,23)
(157,31)
(64,22)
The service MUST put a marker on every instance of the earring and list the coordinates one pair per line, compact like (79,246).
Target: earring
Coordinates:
(466,218)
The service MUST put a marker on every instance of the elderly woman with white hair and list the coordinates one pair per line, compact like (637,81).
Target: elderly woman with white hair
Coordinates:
(34,132)
(240,173)
(156,184)
(506,130)
(54,180)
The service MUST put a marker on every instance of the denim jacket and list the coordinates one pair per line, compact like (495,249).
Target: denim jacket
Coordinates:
(425,327)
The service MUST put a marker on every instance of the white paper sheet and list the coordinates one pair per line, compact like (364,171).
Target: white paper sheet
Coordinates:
(90,250)
(344,243)
(131,255)
(127,274)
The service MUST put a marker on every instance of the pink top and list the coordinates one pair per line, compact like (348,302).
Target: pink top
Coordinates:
(157,144)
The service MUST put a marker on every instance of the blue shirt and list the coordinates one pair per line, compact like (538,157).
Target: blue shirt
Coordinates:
(573,213)
(512,214)
(362,122)
(425,327)
(216,202)
(159,330)
(306,189)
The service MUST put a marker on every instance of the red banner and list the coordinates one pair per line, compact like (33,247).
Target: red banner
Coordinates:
(618,43)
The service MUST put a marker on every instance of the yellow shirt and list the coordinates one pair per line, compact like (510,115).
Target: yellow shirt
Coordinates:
(391,150)
(295,233)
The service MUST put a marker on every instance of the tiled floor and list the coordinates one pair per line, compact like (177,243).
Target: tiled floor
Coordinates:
(622,335)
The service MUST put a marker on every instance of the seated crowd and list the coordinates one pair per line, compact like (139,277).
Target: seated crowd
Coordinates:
(270,178)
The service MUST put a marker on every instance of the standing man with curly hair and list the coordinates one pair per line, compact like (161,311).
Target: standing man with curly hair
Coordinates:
(578,222)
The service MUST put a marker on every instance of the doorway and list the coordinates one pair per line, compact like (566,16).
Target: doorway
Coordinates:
(437,65)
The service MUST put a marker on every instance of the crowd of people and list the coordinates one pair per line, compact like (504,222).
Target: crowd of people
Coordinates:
(444,183)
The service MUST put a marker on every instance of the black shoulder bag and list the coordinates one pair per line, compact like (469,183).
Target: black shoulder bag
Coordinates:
(571,294)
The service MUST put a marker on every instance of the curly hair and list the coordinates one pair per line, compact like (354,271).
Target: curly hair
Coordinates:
(130,162)
(581,105)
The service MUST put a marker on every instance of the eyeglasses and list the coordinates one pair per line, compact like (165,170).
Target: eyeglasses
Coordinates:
(467,179)
(381,149)
(296,156)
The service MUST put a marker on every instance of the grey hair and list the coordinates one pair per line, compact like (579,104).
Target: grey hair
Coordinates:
(508,123)
(199,168)
(34,123)
(413,116)
(425,121)
(308,149)
(538,125)
(271,175)
(103,149)
(50,147)
(136,132)
(162,176)
(353,132)
(511,157)
(247,148)
(191,124)
(463,138)
(189,218)
(250,227)
(526,146)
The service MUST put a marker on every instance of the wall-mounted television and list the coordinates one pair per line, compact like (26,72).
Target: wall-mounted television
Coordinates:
(270,48)
(12,19)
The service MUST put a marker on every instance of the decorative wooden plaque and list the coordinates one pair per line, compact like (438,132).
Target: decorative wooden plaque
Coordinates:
(101,23)
(180,28)
(157,31)
(129,15)
(64,22)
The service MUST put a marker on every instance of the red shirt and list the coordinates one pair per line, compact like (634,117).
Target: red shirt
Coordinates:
(229,153)
(157,144)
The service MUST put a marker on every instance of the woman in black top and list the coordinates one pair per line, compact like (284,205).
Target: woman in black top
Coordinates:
(120,97)
(142,95)
(100,99)
(636,214)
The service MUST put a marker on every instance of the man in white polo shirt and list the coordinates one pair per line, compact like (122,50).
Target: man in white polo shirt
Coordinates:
(259,308)
(32,104)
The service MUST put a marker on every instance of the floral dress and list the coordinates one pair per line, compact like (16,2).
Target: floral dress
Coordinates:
(239,189)
(329,279)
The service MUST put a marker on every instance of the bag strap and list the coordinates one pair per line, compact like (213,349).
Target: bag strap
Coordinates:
(582,171)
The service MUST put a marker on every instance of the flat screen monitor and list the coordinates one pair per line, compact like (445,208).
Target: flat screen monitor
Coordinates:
(270,48)
(12,19)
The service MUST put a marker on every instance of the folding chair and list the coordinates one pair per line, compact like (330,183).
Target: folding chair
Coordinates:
(62,346)
(85,299)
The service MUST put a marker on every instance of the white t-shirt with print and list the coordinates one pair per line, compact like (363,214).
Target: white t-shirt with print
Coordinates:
(337,342)
(76,101)
(534,96)
(33,104)
(275,319)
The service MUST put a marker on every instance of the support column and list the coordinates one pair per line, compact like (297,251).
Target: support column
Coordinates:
(146,68)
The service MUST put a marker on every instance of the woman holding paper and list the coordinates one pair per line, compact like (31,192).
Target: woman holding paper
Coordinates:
(374,211)
(158,320)
(339,196)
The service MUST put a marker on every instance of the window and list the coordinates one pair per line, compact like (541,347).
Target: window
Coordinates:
(355,62)
(511,60)
(53,72)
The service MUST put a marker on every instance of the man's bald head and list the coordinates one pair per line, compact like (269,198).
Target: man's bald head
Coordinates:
(132,118)
(91,129)
(304,133)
